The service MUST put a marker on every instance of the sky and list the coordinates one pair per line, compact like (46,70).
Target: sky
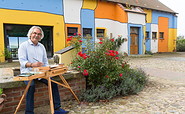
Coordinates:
(177,6)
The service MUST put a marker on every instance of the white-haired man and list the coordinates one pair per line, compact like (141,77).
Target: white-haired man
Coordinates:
(31,54)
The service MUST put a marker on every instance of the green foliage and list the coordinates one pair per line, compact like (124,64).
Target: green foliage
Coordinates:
(7,54)
(180,45)
(148,52)
(1,91)
(107,73)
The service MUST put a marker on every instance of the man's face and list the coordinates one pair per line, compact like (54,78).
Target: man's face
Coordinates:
(36,35)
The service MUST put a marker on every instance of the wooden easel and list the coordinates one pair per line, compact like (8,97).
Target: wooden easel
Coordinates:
(46,73)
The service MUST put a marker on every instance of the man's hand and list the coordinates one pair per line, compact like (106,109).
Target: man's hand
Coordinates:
(37,64)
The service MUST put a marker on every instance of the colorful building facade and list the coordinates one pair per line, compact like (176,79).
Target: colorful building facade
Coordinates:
(145,28)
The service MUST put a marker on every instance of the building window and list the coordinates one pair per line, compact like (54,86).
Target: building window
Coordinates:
(16,34)
(87,32)
(147,36)
(154,35)
(161,35)
(72,31)
(100,33)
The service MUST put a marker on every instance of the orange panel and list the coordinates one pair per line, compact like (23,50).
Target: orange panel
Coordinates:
(71,25)
(163,27)
(109,10)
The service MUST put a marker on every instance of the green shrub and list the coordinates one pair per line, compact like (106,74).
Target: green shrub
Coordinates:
(1,91)
(7,54)
(107,73)
(180,45)
(133,82)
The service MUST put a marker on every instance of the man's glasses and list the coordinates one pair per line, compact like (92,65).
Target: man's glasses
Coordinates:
(39,34)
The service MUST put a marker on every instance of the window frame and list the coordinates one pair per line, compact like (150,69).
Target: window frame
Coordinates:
(161,35)
(154,36)
(73,33)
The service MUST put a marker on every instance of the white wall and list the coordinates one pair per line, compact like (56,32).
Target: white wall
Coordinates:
(116,28)
(72,10)
(154,42)
(136,18)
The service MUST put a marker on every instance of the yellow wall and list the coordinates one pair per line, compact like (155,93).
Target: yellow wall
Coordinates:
(34,18)
(144,41)
(89,4)
(148,15)
(2,59)
(172,40)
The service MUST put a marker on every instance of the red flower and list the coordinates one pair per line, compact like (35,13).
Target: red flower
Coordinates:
(117,58)
(120,74)
(80,40)
(69,39)
(74,34)
(79,34)
(111,51)
(112,40)
(84,57)
(112,54)
(80,53)
(100,39)
(107,76)
(100,42)
(85,72)
(79,66)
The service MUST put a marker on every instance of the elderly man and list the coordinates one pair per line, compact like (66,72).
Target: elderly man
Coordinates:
(31,54)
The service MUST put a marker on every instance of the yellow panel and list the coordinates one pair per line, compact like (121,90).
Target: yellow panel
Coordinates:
(66,58)
(172,40)
(89,4)
(144,46)
(2,59)
(148,15)
(35,18)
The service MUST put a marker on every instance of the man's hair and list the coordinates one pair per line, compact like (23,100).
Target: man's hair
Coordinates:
(31,31)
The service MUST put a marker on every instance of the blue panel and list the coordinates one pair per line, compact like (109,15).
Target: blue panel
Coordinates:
(148,41)
(88,21)
(49,6)
(172,18)
(140,37)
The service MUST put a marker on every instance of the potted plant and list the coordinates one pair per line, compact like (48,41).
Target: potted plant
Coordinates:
(8,55)
(2,99)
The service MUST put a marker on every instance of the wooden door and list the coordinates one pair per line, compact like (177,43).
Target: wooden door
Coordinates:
(134,44)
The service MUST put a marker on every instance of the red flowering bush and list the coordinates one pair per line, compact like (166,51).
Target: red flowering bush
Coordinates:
(100,62)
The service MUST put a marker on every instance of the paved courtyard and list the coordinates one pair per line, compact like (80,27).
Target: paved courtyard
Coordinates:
(164,93)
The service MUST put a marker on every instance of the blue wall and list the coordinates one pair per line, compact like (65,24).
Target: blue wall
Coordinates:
(49,6)
(172,18)
(88,21)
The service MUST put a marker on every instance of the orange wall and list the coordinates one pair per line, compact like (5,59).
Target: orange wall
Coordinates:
(111,10)
(163,27)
